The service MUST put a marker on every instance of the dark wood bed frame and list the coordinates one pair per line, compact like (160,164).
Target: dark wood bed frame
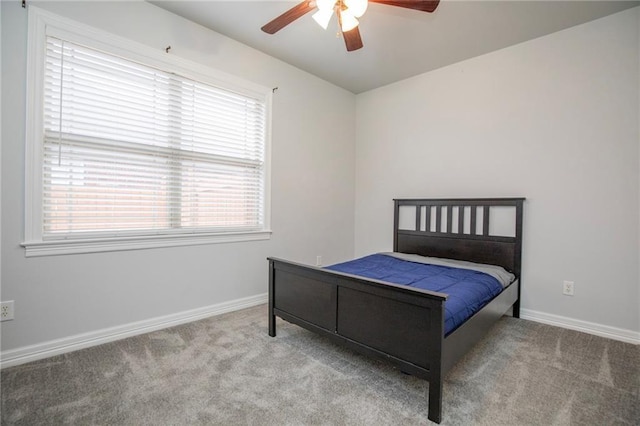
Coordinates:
(396,323)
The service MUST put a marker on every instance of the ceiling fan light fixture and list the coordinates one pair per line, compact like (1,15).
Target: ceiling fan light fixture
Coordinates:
(347,21)
(347,11)
(322,17)
(356,7)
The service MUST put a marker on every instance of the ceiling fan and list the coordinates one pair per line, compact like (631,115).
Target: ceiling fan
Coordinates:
(347,11)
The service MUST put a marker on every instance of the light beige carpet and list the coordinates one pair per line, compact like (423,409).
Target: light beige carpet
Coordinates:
(226,370)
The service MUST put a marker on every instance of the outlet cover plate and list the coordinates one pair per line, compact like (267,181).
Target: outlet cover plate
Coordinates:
(6,310)
(567,288)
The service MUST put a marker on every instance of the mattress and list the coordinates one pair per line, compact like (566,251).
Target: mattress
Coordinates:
(469,286)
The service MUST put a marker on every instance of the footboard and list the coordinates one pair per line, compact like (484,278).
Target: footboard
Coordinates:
(384,320)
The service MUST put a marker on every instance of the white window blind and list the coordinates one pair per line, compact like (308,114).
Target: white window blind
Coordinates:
(132,150)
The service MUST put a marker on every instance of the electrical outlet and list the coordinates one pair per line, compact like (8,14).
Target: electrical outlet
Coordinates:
(567,288)
(6,310)
(318,260)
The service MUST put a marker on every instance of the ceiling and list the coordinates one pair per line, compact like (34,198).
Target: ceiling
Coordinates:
(398,43)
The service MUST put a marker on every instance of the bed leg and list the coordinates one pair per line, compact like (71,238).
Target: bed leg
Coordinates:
(435,401)
(516,309)
(272,296)
(436,374)
(272,325)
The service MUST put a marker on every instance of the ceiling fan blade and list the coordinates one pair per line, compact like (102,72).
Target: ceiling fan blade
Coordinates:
(289,16)
(352,39)
(423,5)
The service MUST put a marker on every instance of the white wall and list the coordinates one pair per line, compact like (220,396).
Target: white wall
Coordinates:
(555,120)
(313,148)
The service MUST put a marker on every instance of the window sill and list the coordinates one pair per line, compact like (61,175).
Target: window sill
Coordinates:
(100,245)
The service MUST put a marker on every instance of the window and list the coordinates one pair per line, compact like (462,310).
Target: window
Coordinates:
(135,152)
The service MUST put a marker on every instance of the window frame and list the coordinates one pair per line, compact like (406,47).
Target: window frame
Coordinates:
(42,24)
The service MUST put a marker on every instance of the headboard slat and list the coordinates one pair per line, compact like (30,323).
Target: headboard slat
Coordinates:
(474,217)
(485,221)
(427,223)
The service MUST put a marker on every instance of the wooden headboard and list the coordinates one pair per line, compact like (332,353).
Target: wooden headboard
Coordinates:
(482,230)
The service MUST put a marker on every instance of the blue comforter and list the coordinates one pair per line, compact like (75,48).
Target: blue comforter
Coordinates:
(468,291)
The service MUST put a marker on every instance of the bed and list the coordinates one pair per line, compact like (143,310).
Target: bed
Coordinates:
(402,324)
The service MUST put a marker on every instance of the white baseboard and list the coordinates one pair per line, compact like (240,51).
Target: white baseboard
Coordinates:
(621,334)
(25,354)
